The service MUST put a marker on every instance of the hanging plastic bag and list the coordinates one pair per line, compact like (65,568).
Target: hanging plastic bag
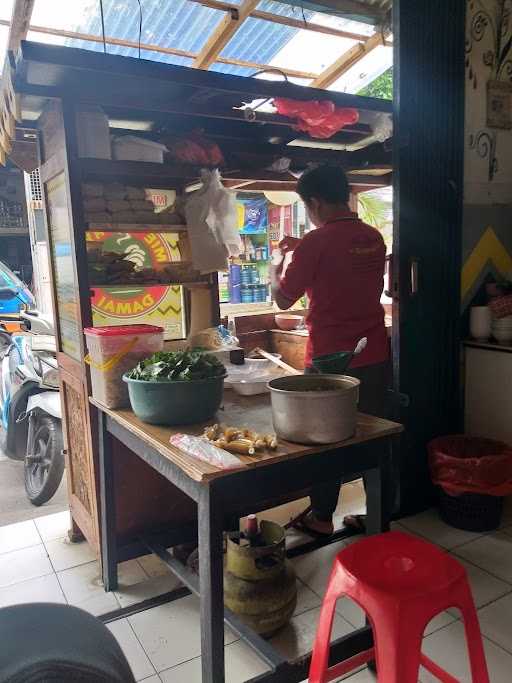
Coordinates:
(321,119)
(212,224)
(222,218)
(464,464)
(197,150)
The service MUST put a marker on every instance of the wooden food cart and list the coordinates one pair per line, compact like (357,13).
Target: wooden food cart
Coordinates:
(146,491)
(51,86)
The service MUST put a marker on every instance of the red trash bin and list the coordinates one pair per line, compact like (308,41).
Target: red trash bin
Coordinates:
(472,475)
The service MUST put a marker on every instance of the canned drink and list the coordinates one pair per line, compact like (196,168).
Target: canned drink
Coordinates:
(246,294)
(246,275)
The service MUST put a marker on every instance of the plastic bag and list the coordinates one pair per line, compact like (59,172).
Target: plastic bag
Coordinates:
(222,216)
(202,449)
(212,224)
(464,464)
(214,339)
(197,150)
(321,119)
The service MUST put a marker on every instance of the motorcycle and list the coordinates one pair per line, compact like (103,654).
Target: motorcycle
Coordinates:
(10,306)
(30,403)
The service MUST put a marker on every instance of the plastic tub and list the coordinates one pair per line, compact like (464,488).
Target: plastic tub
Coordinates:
(133,148)
(175,403)
(114,351)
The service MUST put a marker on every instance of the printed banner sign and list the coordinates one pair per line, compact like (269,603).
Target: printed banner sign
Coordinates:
(151,304)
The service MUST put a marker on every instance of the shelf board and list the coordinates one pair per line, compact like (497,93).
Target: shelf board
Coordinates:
(119,285)
(112,167)
(160,175)
(135,227)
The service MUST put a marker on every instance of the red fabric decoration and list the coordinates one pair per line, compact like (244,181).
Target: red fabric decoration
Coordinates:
(197,150)
(320,119)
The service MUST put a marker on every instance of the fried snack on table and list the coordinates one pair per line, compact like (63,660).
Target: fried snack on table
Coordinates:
(212,433)
(271,441)
(240,446)
(232,433)
(239,440)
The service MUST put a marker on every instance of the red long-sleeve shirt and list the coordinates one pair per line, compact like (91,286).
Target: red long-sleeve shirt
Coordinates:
(340,266)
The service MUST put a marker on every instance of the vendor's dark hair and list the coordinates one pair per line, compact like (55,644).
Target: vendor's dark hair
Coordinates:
(324,182)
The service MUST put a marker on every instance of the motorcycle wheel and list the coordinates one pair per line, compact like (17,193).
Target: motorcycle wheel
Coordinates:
(5,342)
(3,441)
(45,467)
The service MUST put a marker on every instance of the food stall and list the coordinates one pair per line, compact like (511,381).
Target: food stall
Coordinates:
(112,194)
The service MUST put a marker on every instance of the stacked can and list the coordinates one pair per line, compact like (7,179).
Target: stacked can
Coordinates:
(235,296)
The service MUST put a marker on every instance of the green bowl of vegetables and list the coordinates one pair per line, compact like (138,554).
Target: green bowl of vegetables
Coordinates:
(176,388)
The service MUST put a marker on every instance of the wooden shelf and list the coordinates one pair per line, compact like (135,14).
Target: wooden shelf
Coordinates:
(112,167)
(135,227)
(160,175)
(188,285)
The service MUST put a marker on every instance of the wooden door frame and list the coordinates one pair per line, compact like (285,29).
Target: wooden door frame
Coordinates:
(428,152)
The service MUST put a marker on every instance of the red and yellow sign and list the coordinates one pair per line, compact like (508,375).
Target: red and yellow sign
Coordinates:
(152,304)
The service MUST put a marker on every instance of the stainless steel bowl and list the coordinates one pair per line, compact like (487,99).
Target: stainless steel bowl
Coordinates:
(314,409)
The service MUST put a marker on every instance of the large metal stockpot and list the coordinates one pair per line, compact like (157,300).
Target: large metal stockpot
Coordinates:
(314,409)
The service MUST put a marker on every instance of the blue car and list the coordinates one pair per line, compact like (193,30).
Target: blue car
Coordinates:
(22,298)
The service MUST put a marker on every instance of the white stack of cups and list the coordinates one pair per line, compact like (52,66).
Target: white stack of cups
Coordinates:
(480,320)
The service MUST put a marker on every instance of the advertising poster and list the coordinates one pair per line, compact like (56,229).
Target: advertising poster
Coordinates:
(135,304)
(63,268)
(274,227)
(252,215)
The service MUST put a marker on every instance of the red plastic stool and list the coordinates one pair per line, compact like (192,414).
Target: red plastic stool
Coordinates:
(401,582)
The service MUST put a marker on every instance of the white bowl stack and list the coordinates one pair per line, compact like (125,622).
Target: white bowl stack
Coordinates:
(501,329)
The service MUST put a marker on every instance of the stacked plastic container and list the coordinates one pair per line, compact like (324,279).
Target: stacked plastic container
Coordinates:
(114,350)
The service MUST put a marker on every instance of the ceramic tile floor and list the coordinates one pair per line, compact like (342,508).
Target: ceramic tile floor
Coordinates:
(162,645)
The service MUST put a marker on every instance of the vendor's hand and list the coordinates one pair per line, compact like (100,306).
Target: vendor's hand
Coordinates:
(289,244)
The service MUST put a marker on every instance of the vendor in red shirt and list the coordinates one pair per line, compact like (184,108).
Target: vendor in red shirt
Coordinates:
(340,266)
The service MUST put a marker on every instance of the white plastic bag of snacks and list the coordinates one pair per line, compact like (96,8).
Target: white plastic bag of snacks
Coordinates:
(114,350)
(214,339)
(198,447)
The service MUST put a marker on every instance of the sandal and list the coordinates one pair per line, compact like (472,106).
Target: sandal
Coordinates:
(300,524)
(356,522)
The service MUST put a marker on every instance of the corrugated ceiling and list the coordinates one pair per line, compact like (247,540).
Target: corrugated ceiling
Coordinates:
(186,25)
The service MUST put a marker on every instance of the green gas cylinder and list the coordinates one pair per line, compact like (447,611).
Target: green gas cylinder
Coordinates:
(259,583)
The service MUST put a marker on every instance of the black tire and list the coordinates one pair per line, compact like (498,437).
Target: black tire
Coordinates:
(3,441)
(45,467)
(5,342)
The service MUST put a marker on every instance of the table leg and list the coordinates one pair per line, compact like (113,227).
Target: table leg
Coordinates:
(211,586)
(379,503)
(107,506)
(379,493)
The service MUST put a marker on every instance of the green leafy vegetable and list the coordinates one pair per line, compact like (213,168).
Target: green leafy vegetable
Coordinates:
(178,366)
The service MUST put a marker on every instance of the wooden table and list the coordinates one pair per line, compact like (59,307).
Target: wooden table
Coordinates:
(221,495)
